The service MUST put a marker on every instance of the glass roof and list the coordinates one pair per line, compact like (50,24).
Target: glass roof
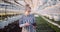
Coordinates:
(35,4)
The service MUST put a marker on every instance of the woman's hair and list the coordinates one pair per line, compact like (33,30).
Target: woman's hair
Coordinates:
(27,7)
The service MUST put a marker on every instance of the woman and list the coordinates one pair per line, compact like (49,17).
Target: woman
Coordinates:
(27,21)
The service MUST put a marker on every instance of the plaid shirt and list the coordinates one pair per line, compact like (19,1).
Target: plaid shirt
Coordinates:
(30,19)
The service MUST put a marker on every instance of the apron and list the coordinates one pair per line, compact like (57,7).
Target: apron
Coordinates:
(24,30)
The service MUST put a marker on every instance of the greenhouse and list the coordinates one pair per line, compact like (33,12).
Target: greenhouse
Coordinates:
(46,13)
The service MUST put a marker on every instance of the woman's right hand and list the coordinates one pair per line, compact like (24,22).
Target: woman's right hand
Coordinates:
(27,24)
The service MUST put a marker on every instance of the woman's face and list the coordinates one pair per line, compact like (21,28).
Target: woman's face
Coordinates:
(27,12)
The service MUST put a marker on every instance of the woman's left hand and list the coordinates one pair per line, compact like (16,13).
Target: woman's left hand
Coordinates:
(34,27)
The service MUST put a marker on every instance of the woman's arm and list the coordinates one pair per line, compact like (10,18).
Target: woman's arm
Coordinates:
(21,24)
(34,22)
(25,24)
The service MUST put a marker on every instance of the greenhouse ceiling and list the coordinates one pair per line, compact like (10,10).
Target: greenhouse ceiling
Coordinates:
(34,4)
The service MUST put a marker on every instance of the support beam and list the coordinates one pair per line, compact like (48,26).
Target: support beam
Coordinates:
(18,3)
(7,1)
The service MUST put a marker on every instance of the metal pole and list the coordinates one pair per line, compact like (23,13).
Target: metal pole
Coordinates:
(6,10)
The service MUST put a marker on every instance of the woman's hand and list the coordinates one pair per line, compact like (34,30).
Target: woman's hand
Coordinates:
(27,24)
(34,27)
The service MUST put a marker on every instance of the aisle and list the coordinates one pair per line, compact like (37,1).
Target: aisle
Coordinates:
(42,25)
